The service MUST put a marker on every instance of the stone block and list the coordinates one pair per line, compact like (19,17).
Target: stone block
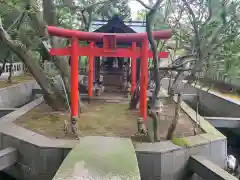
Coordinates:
(66,152)
(212,137)
(163,146)
(8,157)
(157,165)
(180,159)
(16,95)
(166,166)
(196,140)
(28,155)
(1,140)
(202,150)
(218,152)
(9,141)
(20,171)
(207,169)
(13,171)
(199,146)
(196,177)
(145,164)
(49,159)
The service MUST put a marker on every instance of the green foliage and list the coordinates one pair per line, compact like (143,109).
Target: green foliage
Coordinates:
(232,58)
(207,28)
(69,18)
(141,15)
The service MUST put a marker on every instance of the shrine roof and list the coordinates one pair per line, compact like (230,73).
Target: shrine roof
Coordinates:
(117,25)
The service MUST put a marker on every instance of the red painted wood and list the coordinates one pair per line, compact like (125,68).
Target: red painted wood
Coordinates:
(74,78)
(75,51)
(133,67)
(119,52)
(144,79)
(90,72)
(120,37)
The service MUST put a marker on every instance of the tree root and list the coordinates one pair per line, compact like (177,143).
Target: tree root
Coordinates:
(155,118)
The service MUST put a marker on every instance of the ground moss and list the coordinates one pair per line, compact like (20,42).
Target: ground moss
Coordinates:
(15,80)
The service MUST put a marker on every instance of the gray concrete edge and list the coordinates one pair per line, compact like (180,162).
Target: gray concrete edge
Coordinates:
(218,95)
(203,123)
(7,127)
(21,111)
(15,85)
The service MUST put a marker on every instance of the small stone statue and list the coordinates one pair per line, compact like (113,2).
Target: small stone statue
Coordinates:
(233,166)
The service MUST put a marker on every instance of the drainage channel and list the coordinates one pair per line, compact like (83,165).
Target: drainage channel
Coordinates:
(4,112)
(233,138)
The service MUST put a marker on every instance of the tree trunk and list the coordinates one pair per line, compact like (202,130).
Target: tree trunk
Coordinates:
(10,71)
(155,98)
(4,64)
(53,97)
(176,118)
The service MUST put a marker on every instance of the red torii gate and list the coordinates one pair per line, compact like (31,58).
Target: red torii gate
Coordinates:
(109,50)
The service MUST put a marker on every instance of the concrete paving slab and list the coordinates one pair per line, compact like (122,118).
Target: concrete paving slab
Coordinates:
(97,157)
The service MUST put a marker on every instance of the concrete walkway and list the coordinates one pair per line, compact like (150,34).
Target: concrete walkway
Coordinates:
(97,157)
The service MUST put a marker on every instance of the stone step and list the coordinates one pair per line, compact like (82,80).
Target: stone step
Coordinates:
(8,157)
(206,169)
(97,157)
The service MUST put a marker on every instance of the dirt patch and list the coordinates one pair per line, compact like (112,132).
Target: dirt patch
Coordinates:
(105,119)
(100,118)
(15,80)
(185,126)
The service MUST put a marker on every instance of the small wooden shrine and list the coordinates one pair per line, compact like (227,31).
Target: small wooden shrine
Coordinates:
(112,68)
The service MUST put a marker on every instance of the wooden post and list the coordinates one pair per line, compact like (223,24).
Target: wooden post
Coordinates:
(90,73)
(133,67)
(74,78)
(144,79)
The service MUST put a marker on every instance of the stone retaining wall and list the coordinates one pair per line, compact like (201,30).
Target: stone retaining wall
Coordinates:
(214,103)
(17,95)
(166,161)
(162,160)
(39,157)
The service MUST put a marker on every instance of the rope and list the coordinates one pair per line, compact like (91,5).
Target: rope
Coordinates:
(65,92)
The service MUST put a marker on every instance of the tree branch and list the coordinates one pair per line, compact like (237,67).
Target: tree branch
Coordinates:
(85,8)
(22,53)
(144,5)
(200,59)
(209,15)
(149,24)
